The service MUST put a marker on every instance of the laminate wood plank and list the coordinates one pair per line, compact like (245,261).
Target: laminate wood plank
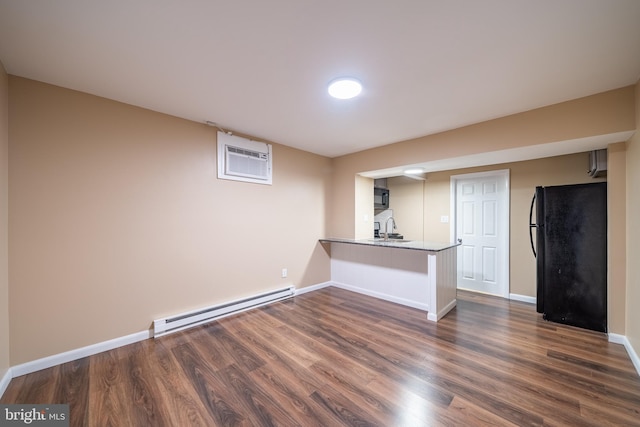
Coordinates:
(39,387)
(416,403)
(149,406)
(15,387)
(505,340)
(73,389)
(555,380)
(529,322)
(370,400)
(480,389)
(387,350)
(468,414)
(603,416)
(285,388)
(553,397)
(363,373)
(350,377)
(351,373)
(343,412)
(500,382)
(314,327)
(281,362)
(538,352)
(175,392)
(242,356)
(108,402)
(305,352)
(589,364)
(592,345)
(531,354)
(222,408)
(358,351)
(580,385)
(290,379)
(260,406)
(589,382)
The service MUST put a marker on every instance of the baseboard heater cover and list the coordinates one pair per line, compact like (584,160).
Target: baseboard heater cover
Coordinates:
(193,318)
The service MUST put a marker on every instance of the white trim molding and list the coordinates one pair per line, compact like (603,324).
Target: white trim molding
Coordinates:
(434,317)
(522,298)
(68,356)
(5,380)
(621,339)
(311,288)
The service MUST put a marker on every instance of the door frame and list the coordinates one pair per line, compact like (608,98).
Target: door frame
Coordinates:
(504,222)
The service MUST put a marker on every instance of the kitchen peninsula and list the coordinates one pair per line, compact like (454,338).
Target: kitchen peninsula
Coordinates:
(413,273)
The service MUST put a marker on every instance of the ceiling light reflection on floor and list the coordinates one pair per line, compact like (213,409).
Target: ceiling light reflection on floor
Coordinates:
(418,410)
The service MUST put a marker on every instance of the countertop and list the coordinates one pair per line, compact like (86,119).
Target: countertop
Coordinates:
(418,245)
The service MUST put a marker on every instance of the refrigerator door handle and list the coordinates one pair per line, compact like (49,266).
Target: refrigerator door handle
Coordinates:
(532,225)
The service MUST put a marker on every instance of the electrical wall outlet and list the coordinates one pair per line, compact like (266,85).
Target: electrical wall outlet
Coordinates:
(284,273)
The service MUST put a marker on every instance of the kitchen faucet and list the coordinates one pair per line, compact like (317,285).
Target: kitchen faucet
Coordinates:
(386,227)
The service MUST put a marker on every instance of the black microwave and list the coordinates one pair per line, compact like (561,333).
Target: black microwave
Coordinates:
(380,198)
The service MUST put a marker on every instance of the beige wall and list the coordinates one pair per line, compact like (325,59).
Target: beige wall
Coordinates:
(4,210)
(363,190)
(117,218)
(407,204)
(617,237)
(633,232)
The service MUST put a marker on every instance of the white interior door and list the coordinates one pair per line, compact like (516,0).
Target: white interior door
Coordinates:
(482,222)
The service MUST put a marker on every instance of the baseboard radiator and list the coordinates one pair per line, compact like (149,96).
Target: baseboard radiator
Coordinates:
(197,317)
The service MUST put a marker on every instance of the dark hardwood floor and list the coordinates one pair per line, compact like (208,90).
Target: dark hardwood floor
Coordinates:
(334,358)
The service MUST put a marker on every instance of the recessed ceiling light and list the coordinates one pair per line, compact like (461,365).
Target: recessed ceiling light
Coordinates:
(345,88)
(413,171)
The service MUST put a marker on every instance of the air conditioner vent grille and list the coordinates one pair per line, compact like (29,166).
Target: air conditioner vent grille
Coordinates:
(245,152)
(241,159)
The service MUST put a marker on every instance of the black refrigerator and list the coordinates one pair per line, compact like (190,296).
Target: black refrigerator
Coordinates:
(571,253)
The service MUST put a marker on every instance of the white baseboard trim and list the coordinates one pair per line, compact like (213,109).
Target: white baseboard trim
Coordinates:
(379,295)
(5,380)
(621,339)
(523,298)
(617,338)
(434,317)
(311,288)
(68,356)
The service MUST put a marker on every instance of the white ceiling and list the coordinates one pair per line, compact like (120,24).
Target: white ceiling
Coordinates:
(261,67)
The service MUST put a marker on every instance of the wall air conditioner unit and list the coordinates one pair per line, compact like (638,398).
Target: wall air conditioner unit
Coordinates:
(241,159)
